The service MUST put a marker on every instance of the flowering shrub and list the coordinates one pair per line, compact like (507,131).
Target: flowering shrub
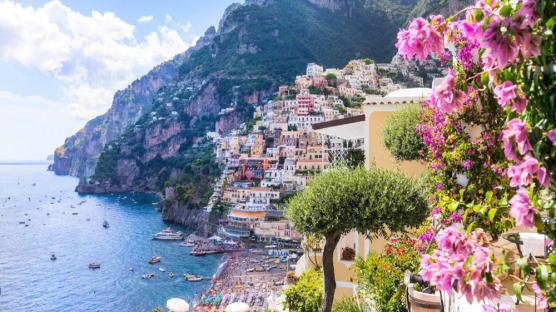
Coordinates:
(489,131)
(381,275)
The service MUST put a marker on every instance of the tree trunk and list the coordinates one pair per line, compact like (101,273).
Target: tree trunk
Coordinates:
(329,278)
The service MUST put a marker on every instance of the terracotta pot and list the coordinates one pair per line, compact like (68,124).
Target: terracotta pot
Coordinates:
(422,302)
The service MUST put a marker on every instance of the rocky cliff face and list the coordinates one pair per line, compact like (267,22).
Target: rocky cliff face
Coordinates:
(79,153)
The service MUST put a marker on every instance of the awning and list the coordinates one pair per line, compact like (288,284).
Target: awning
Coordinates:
(350,128)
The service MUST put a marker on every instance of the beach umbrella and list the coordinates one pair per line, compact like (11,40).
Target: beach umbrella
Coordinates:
(177,305)
(237,307)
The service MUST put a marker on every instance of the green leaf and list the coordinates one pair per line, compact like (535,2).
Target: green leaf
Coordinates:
(552,258)
(492,214)
(542,276)
(517,290)
(506,10)
(522,263)
(484,79)
(470,227)
(479,14)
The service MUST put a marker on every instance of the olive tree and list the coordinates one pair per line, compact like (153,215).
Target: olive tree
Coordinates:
(368,201)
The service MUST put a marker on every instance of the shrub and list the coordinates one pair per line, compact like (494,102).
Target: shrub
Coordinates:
(346,305)
(381,275)
(400,134)
(306,294)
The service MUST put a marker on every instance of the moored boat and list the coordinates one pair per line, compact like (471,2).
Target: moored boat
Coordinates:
(53,257)
(94,265)
(193,278)
(168,234)
(154,259)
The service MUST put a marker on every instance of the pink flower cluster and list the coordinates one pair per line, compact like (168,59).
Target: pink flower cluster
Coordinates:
(421,38)
(506,37)
(521,174)
(542,301)
(446,98)
(499,308)
(462,260)
(521,209)
(516,131)
(507,93)
(551,135)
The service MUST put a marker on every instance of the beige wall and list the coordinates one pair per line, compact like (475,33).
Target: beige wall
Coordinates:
(379,154)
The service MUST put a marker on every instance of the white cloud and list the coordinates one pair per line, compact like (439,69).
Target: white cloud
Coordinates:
(145,19)
(92,55)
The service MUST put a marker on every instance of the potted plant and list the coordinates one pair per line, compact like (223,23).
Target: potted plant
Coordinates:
(421,297)
(348,254)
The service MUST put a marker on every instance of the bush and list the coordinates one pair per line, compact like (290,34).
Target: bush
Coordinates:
(306,294)
(381,275)
(400,134)
(346,305)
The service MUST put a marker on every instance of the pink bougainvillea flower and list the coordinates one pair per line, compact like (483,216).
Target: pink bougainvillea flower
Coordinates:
(551,135)
(507,93)
(542,301)
(461,260)
(502,307)
(521,174)
(421,38)
(497,39)
(528,12)
(543,177)
(515,130)
(521,209)
(446,98)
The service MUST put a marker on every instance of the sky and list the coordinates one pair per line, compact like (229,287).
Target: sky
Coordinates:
(62,61)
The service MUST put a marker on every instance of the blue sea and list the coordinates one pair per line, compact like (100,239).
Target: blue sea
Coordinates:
(30,281)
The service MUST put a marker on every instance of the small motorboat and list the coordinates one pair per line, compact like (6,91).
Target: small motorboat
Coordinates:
(75,213)
(147,276)
(105,224)
(154,259)
(193,278)
(171,274)
(94,265)
(53,257)
(187,244)
(131,270)
(162,269)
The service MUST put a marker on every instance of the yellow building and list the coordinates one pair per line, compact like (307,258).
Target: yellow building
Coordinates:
(369,128)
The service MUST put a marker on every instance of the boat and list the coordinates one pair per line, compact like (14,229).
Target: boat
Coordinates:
(187,244)
(75,213)
(154,259)
(53,257)
(193,278)
(162,269)
(105,224)
(168,234)
(147,276)
(171,274)
(94,265)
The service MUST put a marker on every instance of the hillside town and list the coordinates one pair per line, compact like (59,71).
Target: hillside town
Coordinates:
(278,152)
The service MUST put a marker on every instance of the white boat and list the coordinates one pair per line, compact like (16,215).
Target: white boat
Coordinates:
(187,244)
(193,278)
(148,275)
(162,269)
(154,259)
(168,234)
